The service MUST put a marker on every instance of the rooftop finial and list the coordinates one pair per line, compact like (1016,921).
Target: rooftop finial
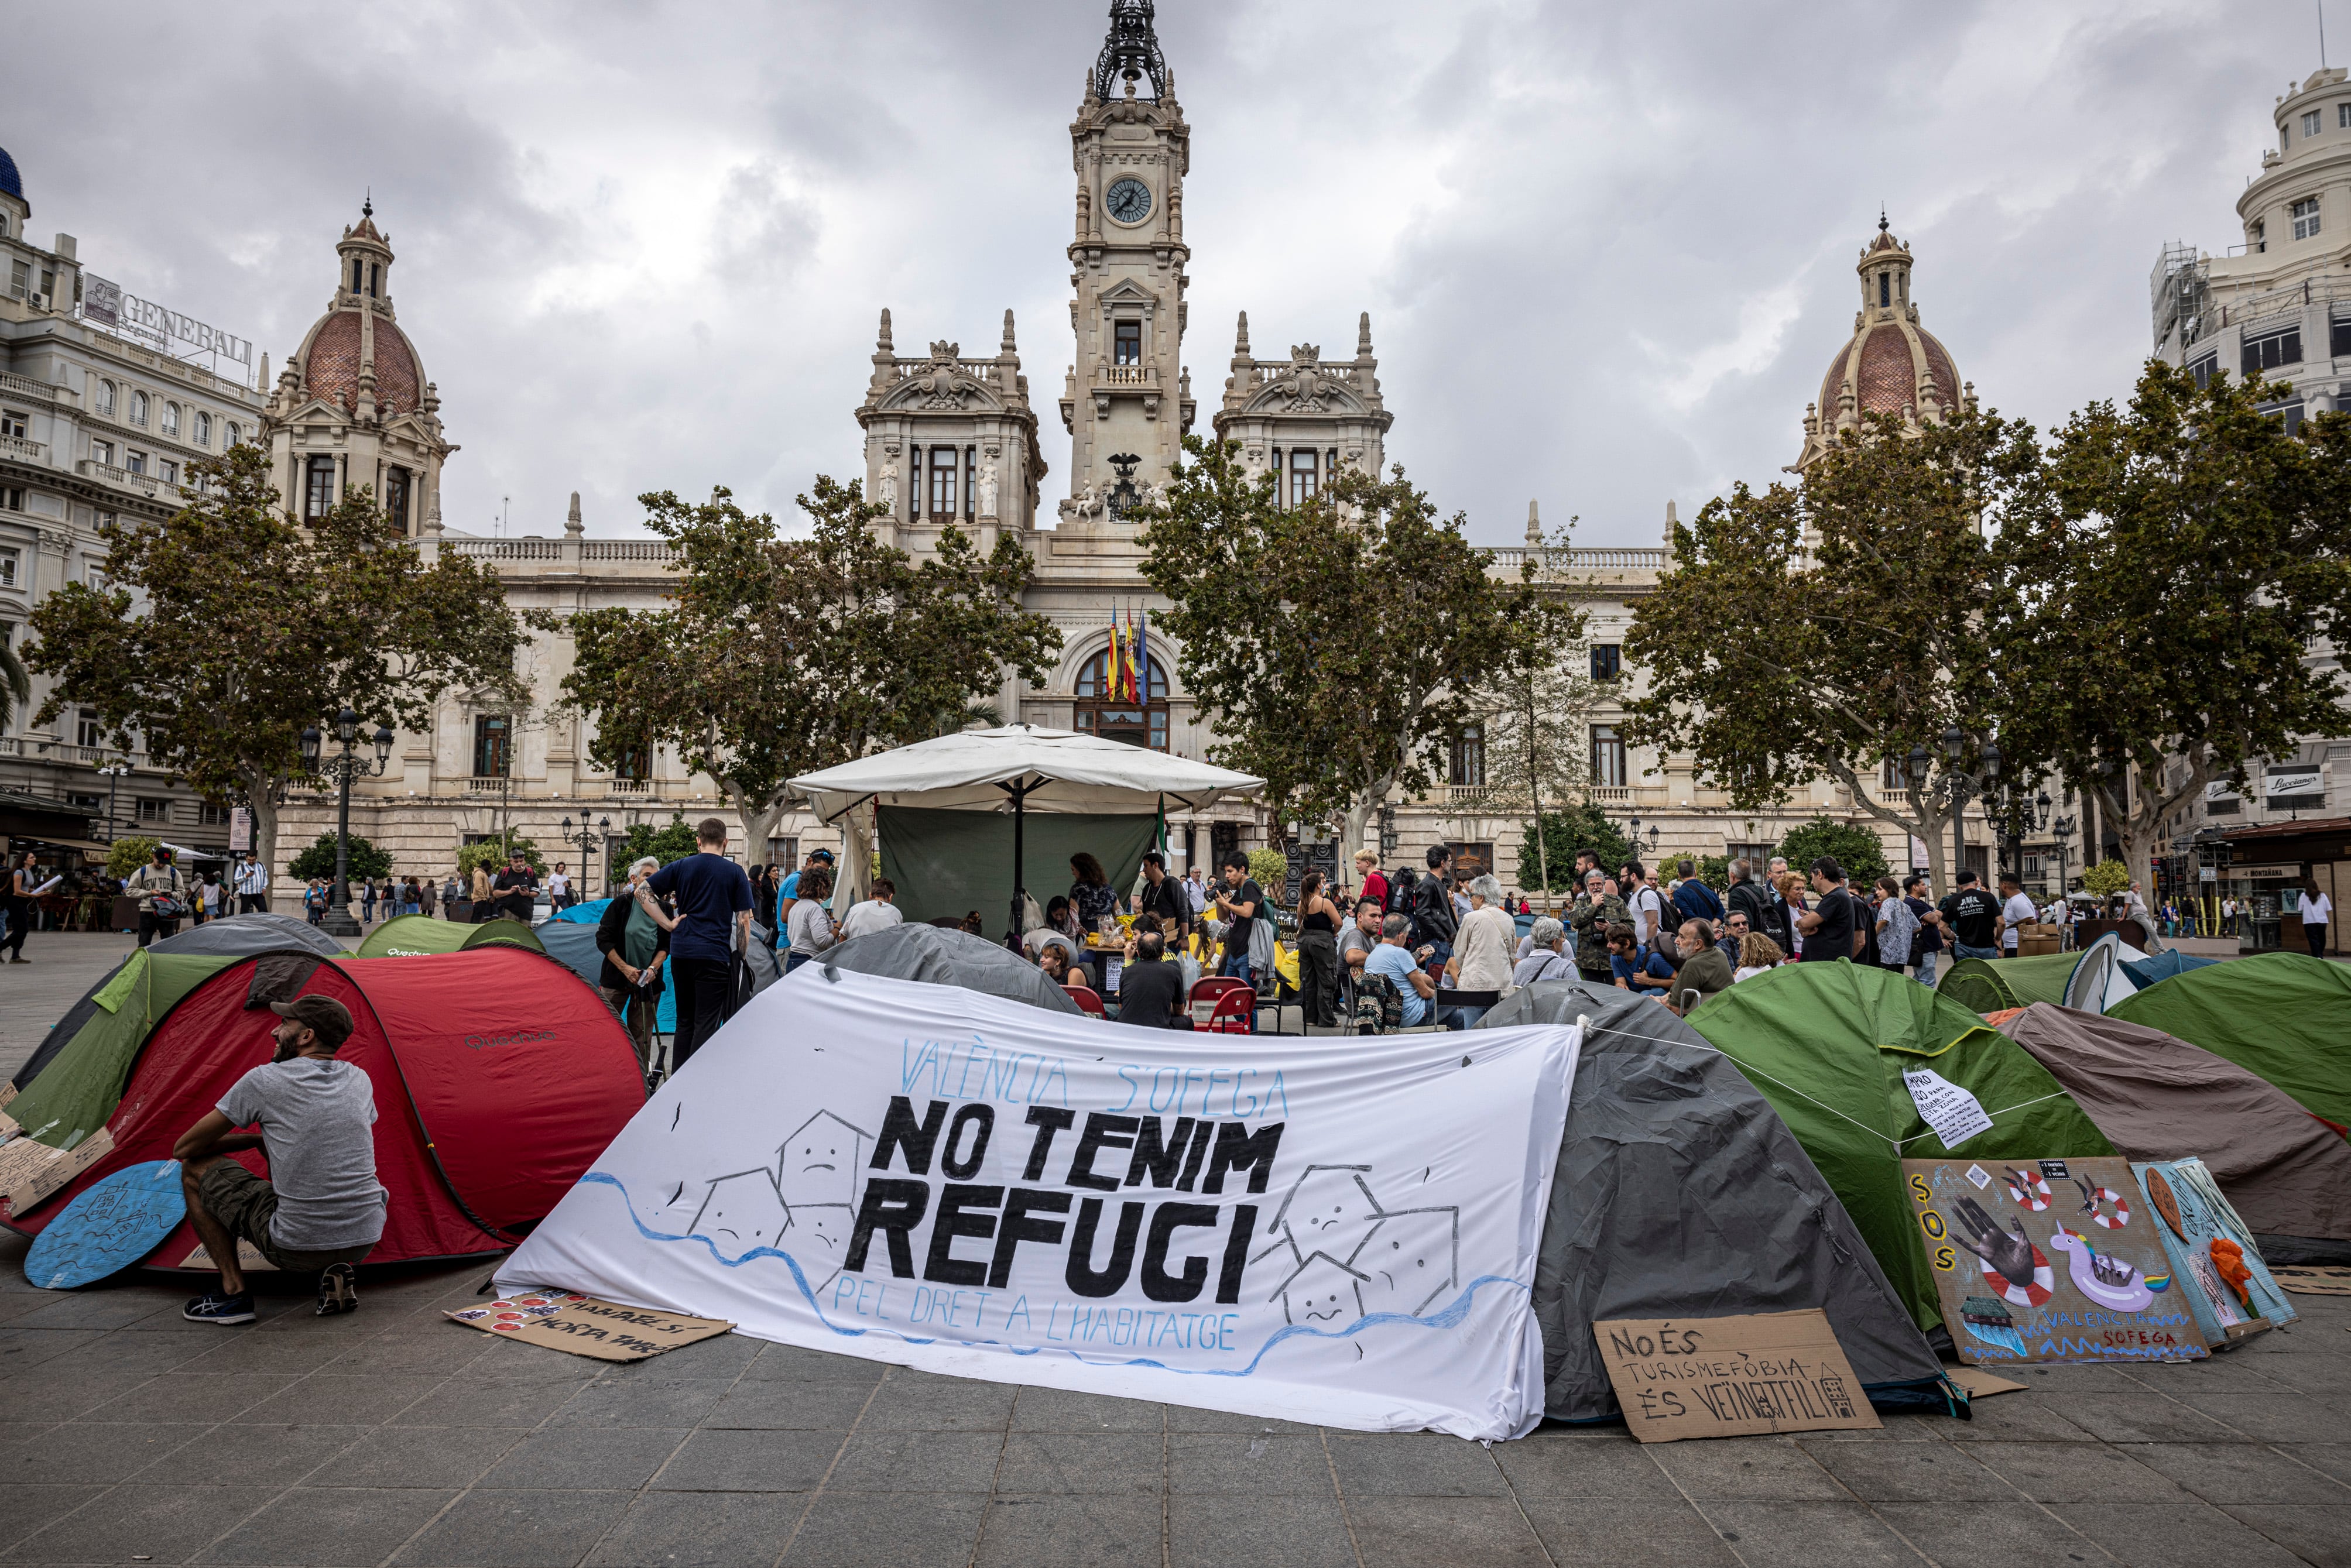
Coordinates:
(571,523)
(883,342)
(1881,217)
(1363,336)
(1534,527)
(1007,330)
(367,204)
(1131,51)
(1240,337)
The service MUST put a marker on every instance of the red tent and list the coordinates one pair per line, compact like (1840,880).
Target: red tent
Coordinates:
(498,1079)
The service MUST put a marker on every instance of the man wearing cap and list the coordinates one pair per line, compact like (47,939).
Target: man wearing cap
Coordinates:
(322,1210)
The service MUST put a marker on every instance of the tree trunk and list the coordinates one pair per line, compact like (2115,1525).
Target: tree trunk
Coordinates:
(259,797)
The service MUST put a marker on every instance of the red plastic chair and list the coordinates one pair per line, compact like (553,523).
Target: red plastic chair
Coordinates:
(1223,1005)
(1088,1001)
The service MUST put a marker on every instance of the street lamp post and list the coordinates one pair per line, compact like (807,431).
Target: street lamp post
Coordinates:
(344,769)
(114,772)
(1955,785)
(586,839)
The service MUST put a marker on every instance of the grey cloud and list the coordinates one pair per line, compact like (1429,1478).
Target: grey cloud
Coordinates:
(1607,250)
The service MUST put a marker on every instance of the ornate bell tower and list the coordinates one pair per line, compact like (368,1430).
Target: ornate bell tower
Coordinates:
(1128,399)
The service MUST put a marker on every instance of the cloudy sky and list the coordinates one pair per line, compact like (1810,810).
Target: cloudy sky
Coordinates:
(1607,249)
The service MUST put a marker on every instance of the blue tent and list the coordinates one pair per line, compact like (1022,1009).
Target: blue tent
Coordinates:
(2145,972)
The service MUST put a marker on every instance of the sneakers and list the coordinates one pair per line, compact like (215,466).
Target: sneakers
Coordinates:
(216,1308)
(338,1290)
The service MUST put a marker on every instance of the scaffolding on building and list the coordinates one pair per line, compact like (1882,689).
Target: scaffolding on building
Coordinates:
(2181,294)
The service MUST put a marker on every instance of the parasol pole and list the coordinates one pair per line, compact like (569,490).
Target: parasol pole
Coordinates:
(1020,816)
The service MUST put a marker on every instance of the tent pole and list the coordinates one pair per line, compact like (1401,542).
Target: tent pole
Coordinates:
(1163,824)
(1019,818)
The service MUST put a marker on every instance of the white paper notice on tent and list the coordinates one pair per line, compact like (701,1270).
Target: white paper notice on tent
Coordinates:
(967,1185)
(1954,1113)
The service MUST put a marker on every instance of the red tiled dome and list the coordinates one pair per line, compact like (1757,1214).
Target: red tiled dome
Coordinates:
(331,367)
(1889,378)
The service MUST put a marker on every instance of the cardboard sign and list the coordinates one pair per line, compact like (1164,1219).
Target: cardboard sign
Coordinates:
(2051,1261)
(8,1092)
(1954,1113)
(248,1258)
(1982,1384)
(109,1226)
(2314,1282)
(31,1172)
(1731,1377)
(560,1319)
(2212,1249)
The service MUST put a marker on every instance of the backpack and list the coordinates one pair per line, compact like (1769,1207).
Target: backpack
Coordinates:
(1400,891)
(1669,913)
(1377,1007)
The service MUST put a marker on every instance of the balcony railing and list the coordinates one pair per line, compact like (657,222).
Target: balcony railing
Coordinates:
(26,386)
(489,784)
(145,483)
(1130,375)
(630,785)
(17,446)
(1600,557)
(661,550)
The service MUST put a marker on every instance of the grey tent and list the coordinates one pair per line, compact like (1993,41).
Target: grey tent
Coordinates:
(1680,1193)
(231,937)
(944,957)
(2157,1097)
(572,944)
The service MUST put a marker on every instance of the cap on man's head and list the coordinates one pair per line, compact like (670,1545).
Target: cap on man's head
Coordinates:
(327,1018)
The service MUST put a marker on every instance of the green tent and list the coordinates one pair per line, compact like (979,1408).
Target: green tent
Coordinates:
(408,935)
(1987,985)
(81,1086)
(2283,1017)
(1828,1045)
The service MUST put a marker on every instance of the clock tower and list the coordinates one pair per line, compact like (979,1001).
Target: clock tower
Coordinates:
(1127,403)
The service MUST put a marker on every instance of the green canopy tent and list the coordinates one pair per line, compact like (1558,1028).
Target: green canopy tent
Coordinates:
(1828,1045)
(2283,1017)
(408,935)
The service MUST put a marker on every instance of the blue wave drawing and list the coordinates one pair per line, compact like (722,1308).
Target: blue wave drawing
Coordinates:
(1451,1316)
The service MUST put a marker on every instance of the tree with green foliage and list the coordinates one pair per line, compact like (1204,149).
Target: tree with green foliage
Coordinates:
(491,854)
(1340,644)
(1858,850)
(124,856)
(1830,628)
(1271,868)
(2169,580)
(672,841)
(776,657)
(1577,825)
(2106,878)
(367,861)
(225,629)
(1533,713)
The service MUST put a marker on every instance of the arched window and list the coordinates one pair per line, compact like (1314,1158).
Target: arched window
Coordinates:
(356,265)
(138,408)
(1099,712)
(105,397)
(230,436)
(170,419)
(203,428)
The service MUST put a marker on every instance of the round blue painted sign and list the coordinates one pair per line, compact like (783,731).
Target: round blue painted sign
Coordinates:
(111,1226)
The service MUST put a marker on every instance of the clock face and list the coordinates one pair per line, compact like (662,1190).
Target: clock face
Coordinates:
(1129,201)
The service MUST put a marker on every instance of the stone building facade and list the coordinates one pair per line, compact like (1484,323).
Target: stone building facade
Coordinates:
(98,421)
(952,437)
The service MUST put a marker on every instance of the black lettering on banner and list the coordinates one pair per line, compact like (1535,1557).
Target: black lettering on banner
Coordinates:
(1048,1120)
(895,1206)
(901,1131)
(961,1213)
(1168,1219)
(1240,1150)
(1081,1276)
(1103,1131)
(1228,1276)
(1202,1135)
(1150,1156)
(1016,1228)
(985,1116)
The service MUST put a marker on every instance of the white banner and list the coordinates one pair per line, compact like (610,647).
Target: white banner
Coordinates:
(1324,1230)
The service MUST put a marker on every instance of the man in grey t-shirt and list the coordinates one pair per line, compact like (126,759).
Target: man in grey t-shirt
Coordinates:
(322,1210)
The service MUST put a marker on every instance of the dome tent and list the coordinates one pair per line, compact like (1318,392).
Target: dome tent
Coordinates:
(2158,1097)
(2089,979)
(1828,1045)
(945,957)
(407,935)
(2283,1017)
(498,1080)
(1678,1192)
(230,937)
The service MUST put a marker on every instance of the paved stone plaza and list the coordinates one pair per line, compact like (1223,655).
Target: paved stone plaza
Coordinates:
(395,1436)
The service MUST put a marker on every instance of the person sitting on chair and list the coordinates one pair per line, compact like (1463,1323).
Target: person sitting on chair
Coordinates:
(1150,989)
(322,1210)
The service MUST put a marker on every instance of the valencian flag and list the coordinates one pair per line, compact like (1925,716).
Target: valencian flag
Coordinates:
(1141,655)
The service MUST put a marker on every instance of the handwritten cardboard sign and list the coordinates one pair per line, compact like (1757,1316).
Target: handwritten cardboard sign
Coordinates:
(2314,1281)
(31,1172)
(562,1320)
(1731,1377)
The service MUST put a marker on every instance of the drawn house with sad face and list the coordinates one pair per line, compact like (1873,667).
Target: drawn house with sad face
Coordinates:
(801,1204)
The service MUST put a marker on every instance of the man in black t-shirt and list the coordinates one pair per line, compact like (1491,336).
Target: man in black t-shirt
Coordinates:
(1972,917)
(1151,988)
(1930,938)
(517,889)
(1241,902)
(1163,895)
(1828,925)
